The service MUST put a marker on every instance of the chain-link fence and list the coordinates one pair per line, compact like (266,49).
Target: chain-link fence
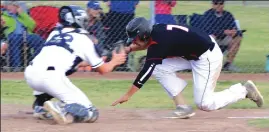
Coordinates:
(241,31)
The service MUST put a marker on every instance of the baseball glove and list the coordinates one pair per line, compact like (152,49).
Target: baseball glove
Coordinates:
(116,46)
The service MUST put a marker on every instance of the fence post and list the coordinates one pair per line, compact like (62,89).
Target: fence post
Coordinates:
(244,3)
(25,49)
(152,12)
(267,63)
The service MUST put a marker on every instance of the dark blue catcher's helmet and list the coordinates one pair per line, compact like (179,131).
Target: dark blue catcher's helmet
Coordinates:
(73,16)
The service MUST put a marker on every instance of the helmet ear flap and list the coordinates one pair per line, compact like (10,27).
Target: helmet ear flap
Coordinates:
(69,17)
(144,36)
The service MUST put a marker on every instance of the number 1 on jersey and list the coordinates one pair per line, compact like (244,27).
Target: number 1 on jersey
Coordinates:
(170,27)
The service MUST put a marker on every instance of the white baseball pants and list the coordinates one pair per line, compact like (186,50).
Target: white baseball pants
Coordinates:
(205,75)
(56,84)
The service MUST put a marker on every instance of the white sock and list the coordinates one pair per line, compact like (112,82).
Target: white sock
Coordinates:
(183,106)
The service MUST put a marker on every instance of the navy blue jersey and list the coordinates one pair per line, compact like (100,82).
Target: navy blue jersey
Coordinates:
(173,41)
(178,40)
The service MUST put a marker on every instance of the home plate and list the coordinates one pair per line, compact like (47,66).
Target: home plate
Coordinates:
(250,117)
(176,117)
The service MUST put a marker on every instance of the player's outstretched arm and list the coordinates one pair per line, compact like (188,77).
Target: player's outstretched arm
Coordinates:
(92,57)
(117,59)
(142,77)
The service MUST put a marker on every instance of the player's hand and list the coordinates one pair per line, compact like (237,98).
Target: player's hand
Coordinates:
(3,22)
(108,3)
(19,9)
(233,32)
(104,58)
(4,47)
(127,49)
(120,57)
(121,100)
(230,32)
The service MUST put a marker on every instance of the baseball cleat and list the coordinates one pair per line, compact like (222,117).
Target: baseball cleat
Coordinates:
(253,93)
(41,113)
(56,111)
(182,113)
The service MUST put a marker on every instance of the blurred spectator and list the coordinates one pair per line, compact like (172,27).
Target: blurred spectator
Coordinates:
(120,13)
(45,18)
(221,24)
(3,45)
(95,27)
(19,24)
(163,11)
(3,37)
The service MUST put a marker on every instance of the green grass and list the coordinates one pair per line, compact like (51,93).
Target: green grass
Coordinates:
(104,92)
(261,123)
(254,47)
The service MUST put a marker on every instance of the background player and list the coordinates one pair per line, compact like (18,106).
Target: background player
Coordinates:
(66,47)
(188,48)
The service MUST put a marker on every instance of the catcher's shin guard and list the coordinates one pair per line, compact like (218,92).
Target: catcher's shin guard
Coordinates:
(81,113)
(93,115)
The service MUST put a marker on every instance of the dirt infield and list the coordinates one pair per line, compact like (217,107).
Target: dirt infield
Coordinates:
(14,118)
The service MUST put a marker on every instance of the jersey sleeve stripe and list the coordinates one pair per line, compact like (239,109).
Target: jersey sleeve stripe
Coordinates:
(99,64)
(148,71)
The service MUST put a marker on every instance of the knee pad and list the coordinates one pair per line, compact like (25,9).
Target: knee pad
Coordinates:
(206,105)
(77,111)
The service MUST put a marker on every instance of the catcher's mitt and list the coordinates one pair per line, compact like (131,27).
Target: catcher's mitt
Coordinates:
(116,46)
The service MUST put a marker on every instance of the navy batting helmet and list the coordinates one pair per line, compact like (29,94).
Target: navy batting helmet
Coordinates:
(138,27)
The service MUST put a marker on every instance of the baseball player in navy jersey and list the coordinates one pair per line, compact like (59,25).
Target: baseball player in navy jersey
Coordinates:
(172,48)
(64,49)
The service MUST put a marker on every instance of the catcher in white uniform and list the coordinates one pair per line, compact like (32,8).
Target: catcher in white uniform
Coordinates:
(172,48)
(64,49)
